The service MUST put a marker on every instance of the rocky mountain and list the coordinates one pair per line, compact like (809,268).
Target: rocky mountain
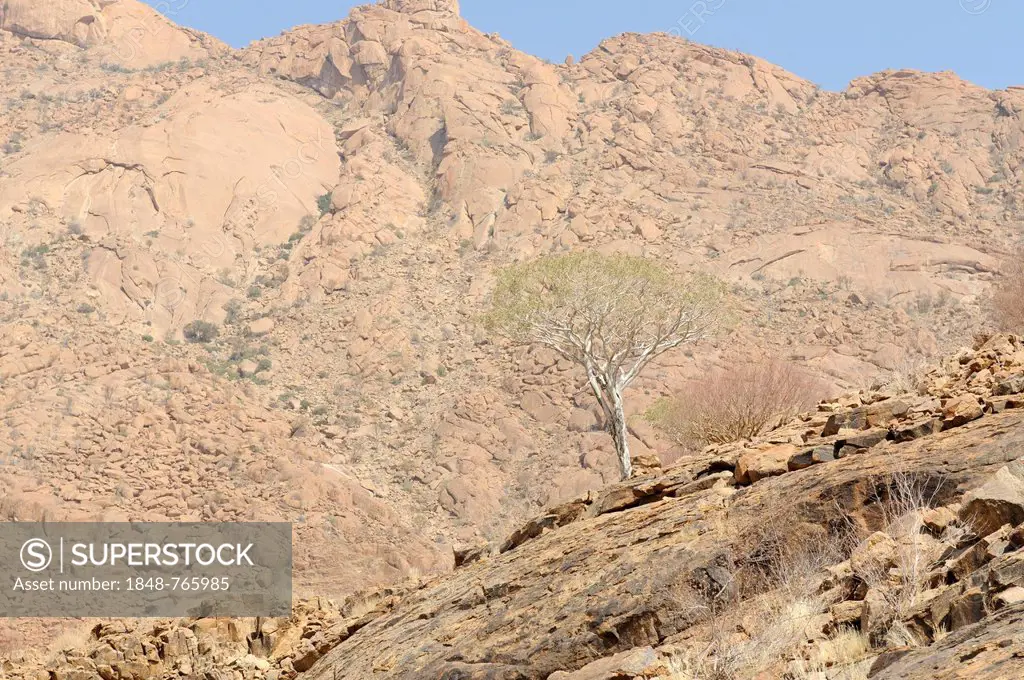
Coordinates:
(333,203)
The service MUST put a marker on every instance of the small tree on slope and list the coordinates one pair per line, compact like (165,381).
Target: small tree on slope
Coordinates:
(610,314)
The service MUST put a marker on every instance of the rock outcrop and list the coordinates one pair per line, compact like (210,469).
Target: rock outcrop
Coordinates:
(123,32)
(413,6)
(169,204)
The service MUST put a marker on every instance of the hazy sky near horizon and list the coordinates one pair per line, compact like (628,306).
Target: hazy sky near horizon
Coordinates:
(829,43)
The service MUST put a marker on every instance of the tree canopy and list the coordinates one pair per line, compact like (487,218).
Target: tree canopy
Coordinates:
(611,314)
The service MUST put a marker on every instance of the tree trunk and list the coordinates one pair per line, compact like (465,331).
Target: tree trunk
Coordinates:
(620,433)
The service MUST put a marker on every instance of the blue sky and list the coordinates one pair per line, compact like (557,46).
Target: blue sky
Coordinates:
(826,42)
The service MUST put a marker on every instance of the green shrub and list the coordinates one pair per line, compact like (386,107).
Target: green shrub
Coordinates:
(324,203)
(200,331)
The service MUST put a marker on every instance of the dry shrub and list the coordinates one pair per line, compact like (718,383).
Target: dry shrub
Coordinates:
(1008,295)
(738,402)
(42,641)
(907,376)
(768,619)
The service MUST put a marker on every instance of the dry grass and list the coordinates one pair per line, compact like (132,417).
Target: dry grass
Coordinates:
(1008,295)
(732,651)
(769,619)
(15,509)
(74,638)
(781,576)
(44,641)
(918,552)
(738,402)
(908,374)
(843,656)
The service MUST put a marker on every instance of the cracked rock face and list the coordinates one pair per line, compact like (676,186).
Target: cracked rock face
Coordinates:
(179,180)
(76,21)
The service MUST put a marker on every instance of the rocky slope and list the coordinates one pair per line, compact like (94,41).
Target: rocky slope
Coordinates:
(335,201)
(623,583)
(617,574)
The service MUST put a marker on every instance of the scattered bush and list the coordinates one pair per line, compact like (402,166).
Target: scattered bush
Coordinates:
(36,251)
(302,428)
(86,308)
(14,508)
(200,332)
(736,403)
(13,144)
(115,68)
(234,311)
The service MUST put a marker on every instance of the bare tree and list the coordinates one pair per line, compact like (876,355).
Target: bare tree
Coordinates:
(610,314)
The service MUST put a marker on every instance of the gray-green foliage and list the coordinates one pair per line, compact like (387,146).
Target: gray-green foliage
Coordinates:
(611,314)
